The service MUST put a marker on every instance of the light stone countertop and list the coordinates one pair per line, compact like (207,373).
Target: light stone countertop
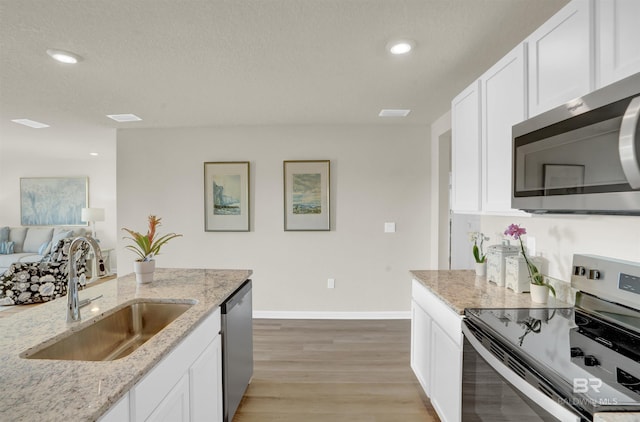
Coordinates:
(51,390)
(461,289)
(616,417)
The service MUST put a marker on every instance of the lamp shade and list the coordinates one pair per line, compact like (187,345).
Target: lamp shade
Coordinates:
(92,214)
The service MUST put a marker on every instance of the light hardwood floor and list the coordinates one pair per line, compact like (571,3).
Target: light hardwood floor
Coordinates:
(333,370)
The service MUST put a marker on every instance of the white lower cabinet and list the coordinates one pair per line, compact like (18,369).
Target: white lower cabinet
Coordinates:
(185,386)
(436,352)
(420,345)
(175,406)
(119,412)
(205,378)
(446,374)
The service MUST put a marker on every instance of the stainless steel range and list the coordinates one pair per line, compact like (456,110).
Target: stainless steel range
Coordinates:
(558,363)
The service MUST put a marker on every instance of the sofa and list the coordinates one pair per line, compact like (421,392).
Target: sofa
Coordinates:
(31,244)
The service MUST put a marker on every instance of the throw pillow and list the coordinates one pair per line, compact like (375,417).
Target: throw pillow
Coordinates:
(4,234)
(44,248)
(17,235)
(6,248)
(35,237)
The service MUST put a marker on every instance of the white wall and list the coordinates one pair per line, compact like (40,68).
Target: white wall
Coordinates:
(440,168)
(558,237)
(379,174)
(59,152)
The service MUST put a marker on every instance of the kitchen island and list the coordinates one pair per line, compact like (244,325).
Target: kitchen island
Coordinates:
(55,390)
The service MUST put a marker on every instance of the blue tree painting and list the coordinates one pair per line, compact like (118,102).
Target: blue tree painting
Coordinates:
(50,201)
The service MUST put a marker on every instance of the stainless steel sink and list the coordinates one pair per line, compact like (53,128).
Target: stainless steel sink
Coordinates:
(114,336)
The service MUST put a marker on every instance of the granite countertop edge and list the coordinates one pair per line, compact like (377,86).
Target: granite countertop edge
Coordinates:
(461,289)
(84,391)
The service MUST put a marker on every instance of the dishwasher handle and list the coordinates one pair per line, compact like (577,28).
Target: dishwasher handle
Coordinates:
(236,298)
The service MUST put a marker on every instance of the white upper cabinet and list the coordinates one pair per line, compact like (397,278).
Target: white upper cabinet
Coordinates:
(503,105)
(618,39)
(561,57)
(465,150)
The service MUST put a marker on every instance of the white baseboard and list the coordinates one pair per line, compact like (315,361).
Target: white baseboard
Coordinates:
(331,315)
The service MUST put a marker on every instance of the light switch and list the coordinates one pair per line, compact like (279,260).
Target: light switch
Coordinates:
(389,227)
(331,283)
(531,245)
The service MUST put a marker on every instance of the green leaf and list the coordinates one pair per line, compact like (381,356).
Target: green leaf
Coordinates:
(550,287)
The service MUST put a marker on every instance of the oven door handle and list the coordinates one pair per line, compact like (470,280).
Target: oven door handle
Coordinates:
(557,410)
(629,154)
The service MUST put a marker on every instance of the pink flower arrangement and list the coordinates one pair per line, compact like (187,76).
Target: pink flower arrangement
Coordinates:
(516,232)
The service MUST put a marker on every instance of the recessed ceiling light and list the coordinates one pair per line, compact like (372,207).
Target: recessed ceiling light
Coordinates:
(124,117)
(93,154)
(393,112)
(400,47)
(30,123)
(62,56)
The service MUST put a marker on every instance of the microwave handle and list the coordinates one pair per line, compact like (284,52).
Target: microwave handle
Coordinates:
(629,154)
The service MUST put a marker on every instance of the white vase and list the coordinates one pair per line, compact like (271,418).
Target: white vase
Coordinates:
(539,294)
(144,271)
(481,269)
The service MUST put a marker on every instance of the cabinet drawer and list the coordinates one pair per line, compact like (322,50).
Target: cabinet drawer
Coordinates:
(448,320)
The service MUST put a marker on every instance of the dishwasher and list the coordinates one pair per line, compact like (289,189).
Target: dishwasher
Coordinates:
(237,348)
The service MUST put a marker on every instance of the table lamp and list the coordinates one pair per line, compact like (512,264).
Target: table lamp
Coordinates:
(91,215)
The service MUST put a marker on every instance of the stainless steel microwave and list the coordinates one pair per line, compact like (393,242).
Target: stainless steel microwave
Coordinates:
(581,157)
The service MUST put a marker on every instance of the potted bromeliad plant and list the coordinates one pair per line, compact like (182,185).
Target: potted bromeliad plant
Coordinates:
(478,239)
(146,247)
(539,287)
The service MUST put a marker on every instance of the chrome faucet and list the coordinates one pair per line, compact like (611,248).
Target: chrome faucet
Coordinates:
(73,310)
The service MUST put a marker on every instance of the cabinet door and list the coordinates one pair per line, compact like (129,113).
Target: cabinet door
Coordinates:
(205,377)
(619,32)
(561,57)
(175,406)
(465,150)
(421,345)
(119,412)
(446,375)
(503,105)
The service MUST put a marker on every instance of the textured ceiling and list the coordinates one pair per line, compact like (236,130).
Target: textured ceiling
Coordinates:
(246,62)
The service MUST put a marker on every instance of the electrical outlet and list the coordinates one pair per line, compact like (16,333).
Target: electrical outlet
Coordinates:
(331,283)
(389,227)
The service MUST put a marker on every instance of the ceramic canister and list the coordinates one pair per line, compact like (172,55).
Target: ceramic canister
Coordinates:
(496,256)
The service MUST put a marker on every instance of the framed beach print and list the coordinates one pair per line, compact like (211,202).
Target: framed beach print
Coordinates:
(306,195)
(226,196)
(53,201)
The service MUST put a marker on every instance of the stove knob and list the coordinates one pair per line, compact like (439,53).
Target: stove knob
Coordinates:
(590,360)
(576,352)
(579,270)
(595,274)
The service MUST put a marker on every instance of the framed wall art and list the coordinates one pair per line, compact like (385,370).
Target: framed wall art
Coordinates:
(307,195)
(226,196)
(53,201)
